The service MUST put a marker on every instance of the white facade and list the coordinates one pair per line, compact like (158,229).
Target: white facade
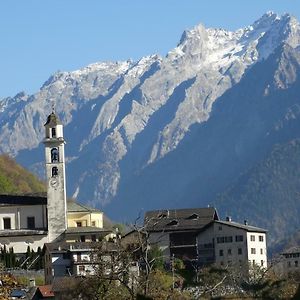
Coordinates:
(23,222)
(23,217)
(231,243)
(21,242)
(257,248)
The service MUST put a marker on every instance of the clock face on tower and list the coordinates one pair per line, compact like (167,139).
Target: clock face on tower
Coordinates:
(54,182)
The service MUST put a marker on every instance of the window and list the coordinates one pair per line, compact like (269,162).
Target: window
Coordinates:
(54,172)
(262,263)
(78,255)
(93,237)
(220,227)
(30,222)
(220,240)
(229,252)
(78,224)
(81,268)
(82,238)
(253,262)
(240,251)
(221,252)
(252,238)
(228,239)
(53,132)
(193,217)
(173,223)
(162,216)
(54,155)
(296,263)
(224,239)
(6,223)
(261,238)
(289,264)
(238,238)
(253,251)
(261,251)
(93,223)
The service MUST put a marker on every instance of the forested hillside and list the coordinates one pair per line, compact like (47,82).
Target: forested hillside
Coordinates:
(269,193)
(14,179)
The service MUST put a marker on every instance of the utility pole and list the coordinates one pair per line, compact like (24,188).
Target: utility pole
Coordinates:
(173,271)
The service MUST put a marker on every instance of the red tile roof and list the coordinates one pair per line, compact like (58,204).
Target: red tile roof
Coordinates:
(46,290)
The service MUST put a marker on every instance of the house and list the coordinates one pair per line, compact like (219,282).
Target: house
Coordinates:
(198,236)
(67,259)
(289,261)
(231,243)
(175,231)
(43,292)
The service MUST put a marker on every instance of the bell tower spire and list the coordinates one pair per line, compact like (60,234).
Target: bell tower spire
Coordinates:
(55,175)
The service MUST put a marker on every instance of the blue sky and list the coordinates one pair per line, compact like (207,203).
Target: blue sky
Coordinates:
(40,37)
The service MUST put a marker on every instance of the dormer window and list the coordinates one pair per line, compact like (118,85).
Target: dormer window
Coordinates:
(193,217)
(173,223)
(53,132)
(162,216)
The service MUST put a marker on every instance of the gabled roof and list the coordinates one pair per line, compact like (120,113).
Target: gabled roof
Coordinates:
(241,226)
(179,219)
(292,250)
(62,247)
(73,206)
(46,291)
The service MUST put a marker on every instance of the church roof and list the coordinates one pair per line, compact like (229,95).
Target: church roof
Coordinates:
(73,206)
(35,199)
(52,120)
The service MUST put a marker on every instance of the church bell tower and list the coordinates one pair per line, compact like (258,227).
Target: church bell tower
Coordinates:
(55,176)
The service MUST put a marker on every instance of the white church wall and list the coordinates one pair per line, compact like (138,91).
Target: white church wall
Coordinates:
(20,243)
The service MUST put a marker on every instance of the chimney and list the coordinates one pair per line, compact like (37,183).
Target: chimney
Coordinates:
(31,282)
(228,219)
(245,222)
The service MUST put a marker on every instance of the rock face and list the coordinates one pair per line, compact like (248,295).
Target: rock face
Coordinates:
(168,131)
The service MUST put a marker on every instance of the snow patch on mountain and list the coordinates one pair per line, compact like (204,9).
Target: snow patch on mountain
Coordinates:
(124,116)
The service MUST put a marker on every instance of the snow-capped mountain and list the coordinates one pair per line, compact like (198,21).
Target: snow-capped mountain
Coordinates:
(135,130)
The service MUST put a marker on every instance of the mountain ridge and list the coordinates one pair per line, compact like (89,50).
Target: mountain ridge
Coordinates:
(129,125)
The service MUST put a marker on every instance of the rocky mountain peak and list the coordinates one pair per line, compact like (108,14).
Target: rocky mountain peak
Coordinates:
(134,125)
